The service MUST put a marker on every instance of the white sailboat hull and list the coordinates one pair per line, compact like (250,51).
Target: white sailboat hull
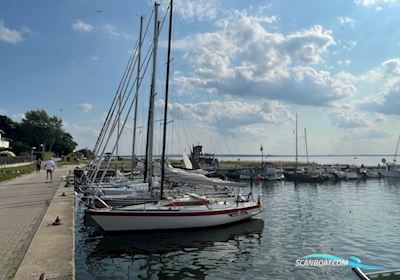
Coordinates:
(390,173)
(172,217)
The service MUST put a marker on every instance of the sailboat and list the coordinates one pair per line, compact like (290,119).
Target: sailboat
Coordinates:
(392,169)
(302,174)
(179,212)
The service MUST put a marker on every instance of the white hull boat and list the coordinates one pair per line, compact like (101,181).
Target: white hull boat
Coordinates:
(390,173)
(169,214)
(392,170)
(350,175)
(117,190)
(122,200)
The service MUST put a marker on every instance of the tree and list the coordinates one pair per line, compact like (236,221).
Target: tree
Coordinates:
(64,144)
(7,125)
(84,153)
(37,128)
(12,130)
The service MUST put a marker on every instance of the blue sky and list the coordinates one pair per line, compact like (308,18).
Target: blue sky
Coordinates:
(241,71)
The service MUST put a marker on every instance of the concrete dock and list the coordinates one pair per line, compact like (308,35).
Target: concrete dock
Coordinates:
(29,243)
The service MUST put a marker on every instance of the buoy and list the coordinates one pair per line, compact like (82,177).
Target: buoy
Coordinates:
(57,221)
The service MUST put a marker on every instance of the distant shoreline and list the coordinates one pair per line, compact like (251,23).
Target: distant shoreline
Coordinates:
(248,155)
(267,156)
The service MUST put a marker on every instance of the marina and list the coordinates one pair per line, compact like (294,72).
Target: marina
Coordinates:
(238,142)
(344,219)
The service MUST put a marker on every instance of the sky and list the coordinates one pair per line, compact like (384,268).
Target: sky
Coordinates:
(241,71)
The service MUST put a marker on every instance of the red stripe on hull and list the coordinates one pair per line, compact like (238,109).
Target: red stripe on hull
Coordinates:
(169,213)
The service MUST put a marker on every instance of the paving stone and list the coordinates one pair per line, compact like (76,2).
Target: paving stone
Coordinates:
(23,203)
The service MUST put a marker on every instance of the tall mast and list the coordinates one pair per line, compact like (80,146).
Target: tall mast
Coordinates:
(296,145)
(137,95)
(148,172)
(305,137)
(166,102)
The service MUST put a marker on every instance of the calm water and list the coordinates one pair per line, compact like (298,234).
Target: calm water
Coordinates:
(343,219)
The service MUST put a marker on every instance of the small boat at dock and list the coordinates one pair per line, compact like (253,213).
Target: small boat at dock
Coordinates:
(303,175)
(392,170)
(181,213)
(379,275)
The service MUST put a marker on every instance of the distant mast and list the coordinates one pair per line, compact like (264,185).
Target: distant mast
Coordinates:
(397,148)
(305,138)
(296,146)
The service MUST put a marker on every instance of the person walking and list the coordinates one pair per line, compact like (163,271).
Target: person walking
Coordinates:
(49,166)
(38,165)
(84,178)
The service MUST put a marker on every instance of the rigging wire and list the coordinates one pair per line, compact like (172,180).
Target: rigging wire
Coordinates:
(125,97)
(218,124)
(119,134)
(114,104)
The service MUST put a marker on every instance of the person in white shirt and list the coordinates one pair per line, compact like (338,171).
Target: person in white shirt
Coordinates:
(49,166)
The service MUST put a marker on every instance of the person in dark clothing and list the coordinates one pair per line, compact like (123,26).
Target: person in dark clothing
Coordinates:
(38,165)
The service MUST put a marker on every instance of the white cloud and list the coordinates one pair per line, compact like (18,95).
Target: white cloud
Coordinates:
(309,45)
(387,103)
(380,118)
(3,112)
(83,134)
(12,36)
(348,118)
(346,21)
(242,58)
(94,58)
(113,31)
(85,107)
(345,62)
(82,130)
(349,45)
(366,134)
(233,116)
(198,10)
(250,132)
(370,3)
(80,25)
(18,117)
(386,80)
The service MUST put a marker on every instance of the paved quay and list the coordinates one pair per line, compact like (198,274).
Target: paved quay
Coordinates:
(23,203)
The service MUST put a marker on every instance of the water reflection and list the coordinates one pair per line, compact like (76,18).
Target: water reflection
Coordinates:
(345,218)
(172,255)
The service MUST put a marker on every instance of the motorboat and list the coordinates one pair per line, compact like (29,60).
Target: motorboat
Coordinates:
(392,170)
(378,275)
(303,175)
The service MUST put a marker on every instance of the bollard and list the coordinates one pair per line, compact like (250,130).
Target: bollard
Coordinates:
(57,221)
